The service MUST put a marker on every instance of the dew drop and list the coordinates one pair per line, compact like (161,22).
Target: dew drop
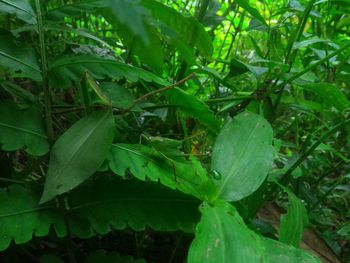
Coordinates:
(215,174)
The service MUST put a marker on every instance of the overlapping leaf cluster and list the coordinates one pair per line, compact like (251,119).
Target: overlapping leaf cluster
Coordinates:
(138,115)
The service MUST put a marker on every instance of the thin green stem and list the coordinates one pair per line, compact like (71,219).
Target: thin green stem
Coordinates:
(305,154)
(45,84)
(227,99)
(309,68)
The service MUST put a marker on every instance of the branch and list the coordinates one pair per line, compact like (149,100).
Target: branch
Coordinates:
(138,100)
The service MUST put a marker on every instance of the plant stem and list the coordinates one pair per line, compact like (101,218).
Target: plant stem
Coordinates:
(152,93)
(45,86)
(305,154)
(226,99)
(309,68)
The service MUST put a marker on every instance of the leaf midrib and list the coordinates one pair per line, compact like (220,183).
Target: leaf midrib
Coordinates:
(19,61)
(18,7)
(238,160)
(74,153)
(22,130)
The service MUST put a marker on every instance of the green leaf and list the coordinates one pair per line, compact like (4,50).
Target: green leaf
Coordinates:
(222,236)
(131,14)
(18,57)
(68,69)
(151,53)
(193,107)
(74,9)
(50,259)
(345,231)
(22,129)
(293,223)
(78,153)
(329,94)
(21,217)
(118,95)
(238,67)
(119,11)
(243,155)
(61,28)
(23,96)
(21,8)
(188,29)
(97,257)
(102,256)
(251,10)
(113,203)
(145,162)
(277,252)
(96,207)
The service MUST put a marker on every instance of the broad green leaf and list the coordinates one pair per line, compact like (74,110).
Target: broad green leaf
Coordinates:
(193,107)
(78,153)
(145,162)
(66,70)
(251,10)
(293,223)
(21,217)
(21,8)
(222,236)
(119,10)
(74,9)
(22,129)
(96,207)
(150,53)
(131,14)
(17,57)
(277,252)
(189,29)
(109,203)
(243,155)
(102,256)
(118,95)
(238,67)
(329,94)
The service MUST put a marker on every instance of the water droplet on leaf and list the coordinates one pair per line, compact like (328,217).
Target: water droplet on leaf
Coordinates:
(215,174)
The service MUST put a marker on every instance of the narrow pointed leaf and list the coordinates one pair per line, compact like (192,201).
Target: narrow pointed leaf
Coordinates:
(243,155)
(293,223)
(329,94)
(193,107)
(251,10)
(22,129)
(78,153)
(21,8)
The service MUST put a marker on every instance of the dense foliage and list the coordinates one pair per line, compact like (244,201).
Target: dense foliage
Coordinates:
(155,131)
